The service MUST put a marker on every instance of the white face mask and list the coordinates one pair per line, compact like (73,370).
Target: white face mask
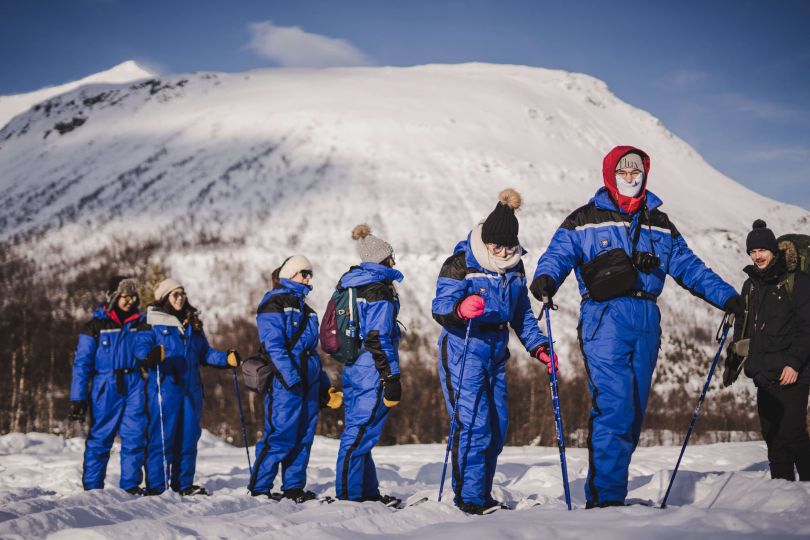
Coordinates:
(629,189)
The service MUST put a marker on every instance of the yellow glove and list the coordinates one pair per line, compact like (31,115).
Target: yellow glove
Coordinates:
(233,358)
(335,398)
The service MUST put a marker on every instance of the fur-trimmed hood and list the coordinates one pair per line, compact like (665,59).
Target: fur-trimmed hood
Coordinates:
(791,254)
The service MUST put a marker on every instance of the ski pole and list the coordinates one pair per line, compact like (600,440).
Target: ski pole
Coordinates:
(242,419)
(555,402)
(722,332)
(162,436)
(455,408)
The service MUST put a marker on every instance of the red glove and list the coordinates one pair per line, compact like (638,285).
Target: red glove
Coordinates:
(541,353)
(471,307)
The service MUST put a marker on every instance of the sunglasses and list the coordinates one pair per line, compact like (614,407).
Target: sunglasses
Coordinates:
(129,297)
(178,294)
(306,273)
(508,249)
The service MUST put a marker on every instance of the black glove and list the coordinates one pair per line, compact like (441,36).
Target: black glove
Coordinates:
(543,287)
(735,305)
(155,356)
(78,411)
(733,364)
(392,391)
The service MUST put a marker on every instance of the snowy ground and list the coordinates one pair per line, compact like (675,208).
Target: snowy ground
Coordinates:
(722,491)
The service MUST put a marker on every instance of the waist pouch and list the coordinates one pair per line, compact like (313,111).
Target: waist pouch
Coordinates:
(257,373)
(120,383)
(610,275)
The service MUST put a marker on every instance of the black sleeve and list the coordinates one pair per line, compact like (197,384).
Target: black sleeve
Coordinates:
(799,353)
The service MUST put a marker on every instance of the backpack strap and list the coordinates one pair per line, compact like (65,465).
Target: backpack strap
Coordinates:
(746,294)
(788,283)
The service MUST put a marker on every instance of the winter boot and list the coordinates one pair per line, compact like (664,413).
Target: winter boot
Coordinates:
(604,504)
(299,495)
(193,490)
(479,509)
(138,491)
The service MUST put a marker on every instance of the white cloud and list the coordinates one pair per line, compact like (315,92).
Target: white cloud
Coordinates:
(290,46)
(685,79)
(778,154)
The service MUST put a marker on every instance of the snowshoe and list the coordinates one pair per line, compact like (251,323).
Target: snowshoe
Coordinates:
(387,500)
(193,491)
(481,509)
(299,496)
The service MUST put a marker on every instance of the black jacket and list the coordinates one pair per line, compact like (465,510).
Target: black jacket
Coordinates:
(777,323)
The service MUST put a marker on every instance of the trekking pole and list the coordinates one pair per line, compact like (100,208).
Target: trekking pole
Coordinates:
(242,420)
(722,332)
(555,402)
(455,408)
(162,436)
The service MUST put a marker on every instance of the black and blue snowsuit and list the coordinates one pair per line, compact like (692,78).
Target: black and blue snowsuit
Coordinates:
(620,338)
(377,309)
(107,373)
(291,405)
(483,409)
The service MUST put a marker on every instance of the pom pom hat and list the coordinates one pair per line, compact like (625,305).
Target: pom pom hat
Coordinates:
(761,237)
(369,247)
(501,226)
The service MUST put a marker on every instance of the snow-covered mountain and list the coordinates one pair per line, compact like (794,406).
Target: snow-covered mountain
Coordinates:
(231,173)
(11,106)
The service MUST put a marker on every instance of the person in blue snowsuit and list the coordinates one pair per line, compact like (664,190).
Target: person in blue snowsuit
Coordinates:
(371,383)
(482,284)
(288,332)
(107,380)
(174,345)
(621,247)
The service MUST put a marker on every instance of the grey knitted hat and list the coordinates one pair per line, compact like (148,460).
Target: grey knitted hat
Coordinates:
(630,161)
(369,247)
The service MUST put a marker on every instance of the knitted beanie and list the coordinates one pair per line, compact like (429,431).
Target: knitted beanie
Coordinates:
(120,285)
(369,247)
(165,287)
(761,237)
(293,265)
(630,161)
(501,226)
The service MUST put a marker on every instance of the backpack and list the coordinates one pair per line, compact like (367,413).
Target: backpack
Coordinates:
(340,330)
(797,256)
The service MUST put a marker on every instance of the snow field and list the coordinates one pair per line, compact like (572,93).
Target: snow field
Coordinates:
(722,491)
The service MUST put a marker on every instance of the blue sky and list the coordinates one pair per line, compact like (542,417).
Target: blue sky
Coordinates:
(731,77)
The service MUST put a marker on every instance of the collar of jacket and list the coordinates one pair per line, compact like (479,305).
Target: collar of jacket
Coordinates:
(102,313)
(158,317)
(773,273)
(290,286)
(603,200)
(367,273)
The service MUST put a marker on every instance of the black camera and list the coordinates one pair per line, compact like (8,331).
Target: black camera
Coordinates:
(645,261)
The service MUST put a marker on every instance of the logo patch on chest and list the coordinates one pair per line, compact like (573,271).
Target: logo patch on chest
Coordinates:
(604,242)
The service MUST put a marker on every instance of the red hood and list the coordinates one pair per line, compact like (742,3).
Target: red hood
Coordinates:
(628,204)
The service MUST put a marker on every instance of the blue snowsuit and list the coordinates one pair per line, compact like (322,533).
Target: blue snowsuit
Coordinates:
(377,309)
(620,338)
(482,410)
(105,361)
(291,405)
(181,390)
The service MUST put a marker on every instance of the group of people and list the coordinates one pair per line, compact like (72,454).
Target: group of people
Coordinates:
(621,247)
